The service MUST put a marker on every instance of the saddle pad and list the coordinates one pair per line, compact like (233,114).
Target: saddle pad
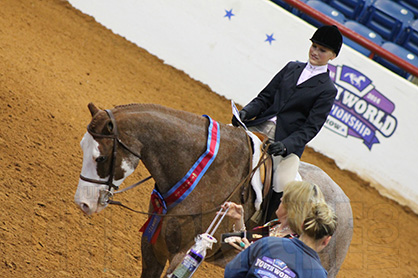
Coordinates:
(258,178)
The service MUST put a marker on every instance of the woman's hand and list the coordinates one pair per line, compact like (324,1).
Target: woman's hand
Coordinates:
(240,243)
(235,211)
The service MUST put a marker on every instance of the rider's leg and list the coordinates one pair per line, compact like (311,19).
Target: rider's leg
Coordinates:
(268,128)
(285,170)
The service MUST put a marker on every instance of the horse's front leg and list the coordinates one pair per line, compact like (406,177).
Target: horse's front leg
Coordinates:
(153,261)
(177,259)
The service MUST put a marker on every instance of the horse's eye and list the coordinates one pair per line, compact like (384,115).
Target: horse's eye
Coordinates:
(101,158)
(110,126)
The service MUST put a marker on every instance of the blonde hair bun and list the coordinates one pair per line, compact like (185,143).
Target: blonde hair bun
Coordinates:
(298,199)
(321,221)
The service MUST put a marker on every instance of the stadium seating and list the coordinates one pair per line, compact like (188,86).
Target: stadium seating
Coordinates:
(393,24)
(352,9)
(283,4)
(411,5)
(387,18)
(409,38)
(365,32)
(325,9)
(401,53)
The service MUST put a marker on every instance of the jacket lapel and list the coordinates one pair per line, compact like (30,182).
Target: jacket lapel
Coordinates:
(297,72)
(293,80)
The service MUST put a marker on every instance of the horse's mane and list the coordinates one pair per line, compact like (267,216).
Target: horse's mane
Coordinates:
(133,107)
(147,107)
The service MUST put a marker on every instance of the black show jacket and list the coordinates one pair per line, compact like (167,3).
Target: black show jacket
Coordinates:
(301,110)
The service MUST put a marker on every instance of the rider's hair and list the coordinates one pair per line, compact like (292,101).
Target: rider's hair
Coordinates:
(298,200)
(320,222)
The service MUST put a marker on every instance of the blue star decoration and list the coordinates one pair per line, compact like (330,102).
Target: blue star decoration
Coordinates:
(229,14)
(270,38)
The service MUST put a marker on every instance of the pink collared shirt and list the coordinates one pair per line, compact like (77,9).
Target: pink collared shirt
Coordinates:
(310,71)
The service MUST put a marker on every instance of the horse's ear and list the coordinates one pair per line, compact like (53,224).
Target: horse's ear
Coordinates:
(93,109)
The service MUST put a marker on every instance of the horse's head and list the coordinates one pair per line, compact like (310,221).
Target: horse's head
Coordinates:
(107,161)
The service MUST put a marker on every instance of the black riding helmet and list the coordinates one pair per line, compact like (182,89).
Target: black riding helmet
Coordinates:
(328,36)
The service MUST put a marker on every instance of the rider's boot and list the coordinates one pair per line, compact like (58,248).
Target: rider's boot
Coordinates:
(273,205)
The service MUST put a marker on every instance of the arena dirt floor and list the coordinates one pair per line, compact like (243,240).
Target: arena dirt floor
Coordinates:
(54,60)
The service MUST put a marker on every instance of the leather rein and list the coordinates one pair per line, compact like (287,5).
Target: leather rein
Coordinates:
(106,195)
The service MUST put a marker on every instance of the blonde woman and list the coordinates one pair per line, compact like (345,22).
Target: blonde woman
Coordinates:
(289,257)
(297,200)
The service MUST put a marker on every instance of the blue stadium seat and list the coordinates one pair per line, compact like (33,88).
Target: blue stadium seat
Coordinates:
(411,5)
(387,18)
(409,38)
(352,9)
(324,9)
(402,53)
(365,32)
(283,4)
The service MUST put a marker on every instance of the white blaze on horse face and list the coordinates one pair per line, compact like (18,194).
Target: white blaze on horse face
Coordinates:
(88,193)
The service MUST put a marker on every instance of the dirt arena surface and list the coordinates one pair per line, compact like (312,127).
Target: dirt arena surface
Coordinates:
(54,61)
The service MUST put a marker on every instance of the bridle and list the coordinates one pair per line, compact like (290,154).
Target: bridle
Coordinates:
(106,194)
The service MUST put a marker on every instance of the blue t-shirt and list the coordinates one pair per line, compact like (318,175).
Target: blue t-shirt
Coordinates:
(273,257)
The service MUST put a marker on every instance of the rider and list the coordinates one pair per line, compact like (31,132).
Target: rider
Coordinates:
(293,107)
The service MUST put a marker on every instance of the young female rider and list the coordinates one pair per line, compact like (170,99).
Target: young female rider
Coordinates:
(293,107)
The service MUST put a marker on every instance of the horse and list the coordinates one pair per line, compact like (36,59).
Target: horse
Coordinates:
(168,142)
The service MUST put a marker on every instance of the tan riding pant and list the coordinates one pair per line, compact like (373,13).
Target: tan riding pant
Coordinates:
(285,168)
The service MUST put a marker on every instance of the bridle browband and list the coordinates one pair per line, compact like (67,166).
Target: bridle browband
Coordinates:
(107,194)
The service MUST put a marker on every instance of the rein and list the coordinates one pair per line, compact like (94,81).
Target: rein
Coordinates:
(238,186)
(106,195)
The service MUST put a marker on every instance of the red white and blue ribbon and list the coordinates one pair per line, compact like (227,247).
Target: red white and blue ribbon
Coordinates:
(162,202)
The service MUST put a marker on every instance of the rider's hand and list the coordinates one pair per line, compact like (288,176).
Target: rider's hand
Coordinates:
(277,148)
(243,116)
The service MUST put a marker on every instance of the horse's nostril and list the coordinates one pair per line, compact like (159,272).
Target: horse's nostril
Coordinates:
(84,207)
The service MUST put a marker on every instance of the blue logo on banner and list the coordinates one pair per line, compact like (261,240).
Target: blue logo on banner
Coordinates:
(359,109)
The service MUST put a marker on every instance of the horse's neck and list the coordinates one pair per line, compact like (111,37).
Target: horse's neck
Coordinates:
(171,144)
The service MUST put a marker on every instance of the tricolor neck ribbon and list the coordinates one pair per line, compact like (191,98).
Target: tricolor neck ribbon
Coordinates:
(162,202)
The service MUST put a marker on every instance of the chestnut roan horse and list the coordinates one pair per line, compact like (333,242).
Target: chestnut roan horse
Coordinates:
(168,142)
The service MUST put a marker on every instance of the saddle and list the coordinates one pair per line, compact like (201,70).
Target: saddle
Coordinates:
(266,167)
(261,180)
